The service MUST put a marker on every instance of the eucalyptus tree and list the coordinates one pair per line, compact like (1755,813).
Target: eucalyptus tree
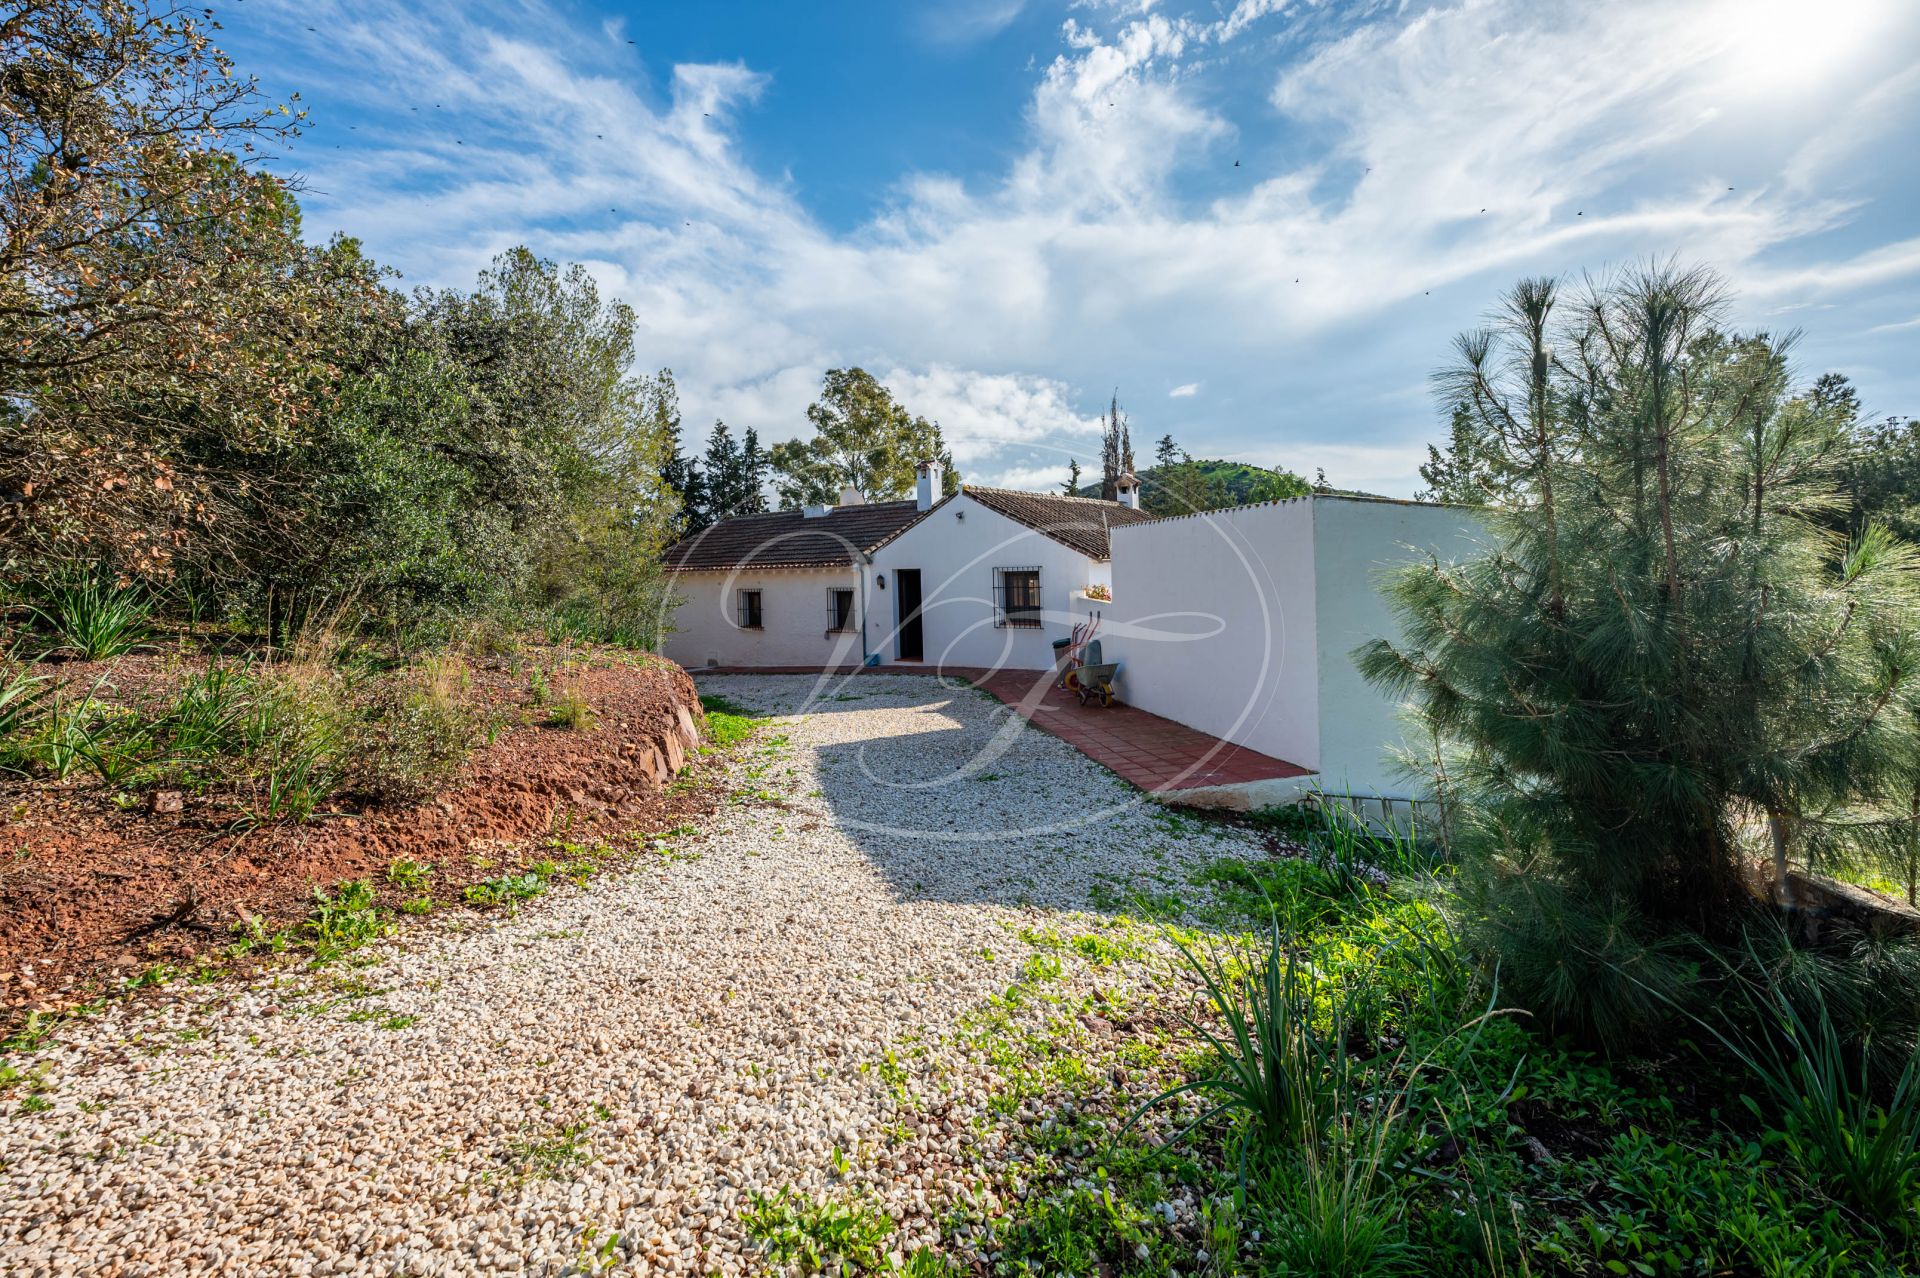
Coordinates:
(863,438)
(1664,660)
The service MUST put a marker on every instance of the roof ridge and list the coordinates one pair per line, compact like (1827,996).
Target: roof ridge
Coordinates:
(1025,492)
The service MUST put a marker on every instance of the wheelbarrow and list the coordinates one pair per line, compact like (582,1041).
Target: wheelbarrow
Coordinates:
(1093,681)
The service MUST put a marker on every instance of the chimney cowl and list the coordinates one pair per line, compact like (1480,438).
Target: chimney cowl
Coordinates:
(1127,490)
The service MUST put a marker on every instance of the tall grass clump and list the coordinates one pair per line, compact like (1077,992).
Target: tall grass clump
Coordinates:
(91,619)
(25,699)
(1846,1102)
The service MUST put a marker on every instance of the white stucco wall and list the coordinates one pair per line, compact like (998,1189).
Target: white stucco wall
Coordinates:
(1213,621)
(956,549)
(793,611)
(1293,588)
(1356,546)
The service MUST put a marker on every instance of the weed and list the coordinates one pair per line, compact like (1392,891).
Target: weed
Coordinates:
(548,1155)
(570,710)
(728,724)
(1040,967)
(343,921)
(506,889)
(822,1236)
(409,875)
(34,1104)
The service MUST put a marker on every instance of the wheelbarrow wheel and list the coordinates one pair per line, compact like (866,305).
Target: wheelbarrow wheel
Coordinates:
(1106,696)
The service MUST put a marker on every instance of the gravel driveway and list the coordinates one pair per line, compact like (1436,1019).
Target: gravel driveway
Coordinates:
(496,1094)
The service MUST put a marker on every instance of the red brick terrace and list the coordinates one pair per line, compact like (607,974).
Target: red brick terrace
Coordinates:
(1153,753)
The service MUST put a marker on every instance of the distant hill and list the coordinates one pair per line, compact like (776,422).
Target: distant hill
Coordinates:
(1229,483)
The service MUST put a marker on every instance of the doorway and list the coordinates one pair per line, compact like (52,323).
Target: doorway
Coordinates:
(906,593)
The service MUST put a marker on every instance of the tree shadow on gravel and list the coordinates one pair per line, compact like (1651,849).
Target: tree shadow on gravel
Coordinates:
(954,798)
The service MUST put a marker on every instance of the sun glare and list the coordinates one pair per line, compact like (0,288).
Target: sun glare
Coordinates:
(1777,45)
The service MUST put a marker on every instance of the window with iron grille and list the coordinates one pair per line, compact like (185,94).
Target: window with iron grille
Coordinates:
(748,610)
(1016,597)
(839,609)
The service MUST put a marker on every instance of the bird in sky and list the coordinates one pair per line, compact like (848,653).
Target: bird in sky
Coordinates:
(1236,164)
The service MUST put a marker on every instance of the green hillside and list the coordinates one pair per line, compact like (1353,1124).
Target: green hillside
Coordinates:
(1225,483)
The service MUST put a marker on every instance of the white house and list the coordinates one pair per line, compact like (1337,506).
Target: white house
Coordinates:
(1241,623)
(987,577)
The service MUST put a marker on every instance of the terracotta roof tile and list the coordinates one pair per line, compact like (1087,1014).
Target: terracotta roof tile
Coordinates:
(787,539)
(1080,523)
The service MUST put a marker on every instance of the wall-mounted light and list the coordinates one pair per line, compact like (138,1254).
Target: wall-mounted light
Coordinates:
(960,515)
(880,580)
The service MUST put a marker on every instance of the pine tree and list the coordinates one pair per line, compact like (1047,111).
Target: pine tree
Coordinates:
(1464,473)
(1666,652)
(1072,485)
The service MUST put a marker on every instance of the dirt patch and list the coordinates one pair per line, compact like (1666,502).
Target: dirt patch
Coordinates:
(97,884)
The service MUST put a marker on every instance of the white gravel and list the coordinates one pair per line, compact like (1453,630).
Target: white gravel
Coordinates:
(707,1027)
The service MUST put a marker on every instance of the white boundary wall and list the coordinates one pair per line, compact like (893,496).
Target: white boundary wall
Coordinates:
(1213,623)
(1242,623)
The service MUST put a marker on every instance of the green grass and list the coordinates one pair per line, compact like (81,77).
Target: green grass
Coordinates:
(728,724)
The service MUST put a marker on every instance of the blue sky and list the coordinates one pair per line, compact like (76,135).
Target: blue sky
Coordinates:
(1260,221)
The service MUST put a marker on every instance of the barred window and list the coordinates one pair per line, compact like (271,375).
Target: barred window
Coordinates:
(1017,597)
(748,610)
(839,609)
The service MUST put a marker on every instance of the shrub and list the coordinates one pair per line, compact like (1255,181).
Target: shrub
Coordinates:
(413,732)
(92,619)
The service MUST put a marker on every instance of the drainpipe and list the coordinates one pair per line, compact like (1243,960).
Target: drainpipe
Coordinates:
(861,576)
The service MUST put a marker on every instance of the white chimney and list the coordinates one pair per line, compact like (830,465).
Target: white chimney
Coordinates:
(932,474)
(815,512)
(851,496)
(1127,490)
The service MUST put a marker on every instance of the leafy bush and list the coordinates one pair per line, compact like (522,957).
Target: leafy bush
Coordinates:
(92,619)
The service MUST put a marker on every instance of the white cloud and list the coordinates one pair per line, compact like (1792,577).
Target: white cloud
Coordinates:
(1453,147)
